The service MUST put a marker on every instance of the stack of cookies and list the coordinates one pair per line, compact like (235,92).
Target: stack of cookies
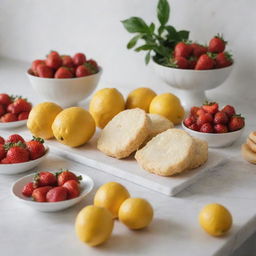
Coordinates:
(249,148)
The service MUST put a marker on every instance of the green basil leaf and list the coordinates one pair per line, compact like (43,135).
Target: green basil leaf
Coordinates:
(133,41)
(172,33)
(147,58)
(163,11)
(145,47)
(152,28)
(135,25)
(163,51)
(183,34)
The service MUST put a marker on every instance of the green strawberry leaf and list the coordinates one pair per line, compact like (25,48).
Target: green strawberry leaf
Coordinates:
(163,11)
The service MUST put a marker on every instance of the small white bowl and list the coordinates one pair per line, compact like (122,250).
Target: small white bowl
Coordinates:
(86,185)
(22,167)
(216,140)
(65,92)
(12,124)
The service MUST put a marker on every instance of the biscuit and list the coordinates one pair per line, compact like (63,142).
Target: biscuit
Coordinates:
(251,145)
(252,136)
(200,154)
(247,154)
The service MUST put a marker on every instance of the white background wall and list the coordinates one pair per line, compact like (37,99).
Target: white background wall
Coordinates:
(30,28)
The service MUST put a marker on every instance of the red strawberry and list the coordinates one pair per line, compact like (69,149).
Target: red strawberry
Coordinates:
(79,59)
(236,123)
(200,111)
(207,128)
(73,188)
(229,110)
(17,153)
(53,60)
(36,148)
(93,63)
(2,141)
(220,128)
(67,61)
(204,118)
(14,138)
(182,50)
(217,44)
(5,161)
(181,62)
(44,71)
(64,176)
(2,110)
(19,105)
(223,59)
(45,179)
(220,118)
(63,72)
(193,111)
(192,63)
(83,70)
(28,189)
(210,107)
(194,127)
(205,62)
(2,152)
(35,63)
(5,99)
(198,50)
(23,116)
(9,117)
(189,121)
(57,194)
(39,194)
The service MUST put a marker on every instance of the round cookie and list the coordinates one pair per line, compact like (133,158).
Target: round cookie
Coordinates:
(247,154)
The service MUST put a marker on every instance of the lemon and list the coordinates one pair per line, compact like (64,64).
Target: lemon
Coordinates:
(94,225)
(105,104)
(140,98)
(135,213)
(41,118)
(215,219)
(169,106)
(73,126)
(111,195)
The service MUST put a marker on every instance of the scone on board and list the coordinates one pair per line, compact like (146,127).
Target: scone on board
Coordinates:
(124,133)
(201,153)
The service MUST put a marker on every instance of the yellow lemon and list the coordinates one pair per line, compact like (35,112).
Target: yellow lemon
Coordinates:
(105,104)
(73,126)
(41,118)
(94,225)
(140,98)
(135,213)
(110,196)
(215,219)
(169,106)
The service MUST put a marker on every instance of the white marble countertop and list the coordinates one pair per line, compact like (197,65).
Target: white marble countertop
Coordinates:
(175,228)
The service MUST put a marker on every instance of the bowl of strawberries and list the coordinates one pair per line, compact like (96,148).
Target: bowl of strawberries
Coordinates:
(219,127)
(18,155)
(63,79)
(49,192)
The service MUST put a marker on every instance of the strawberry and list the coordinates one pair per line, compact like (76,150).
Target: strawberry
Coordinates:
(204,62)
(39,194)
(73,188)
(198,50)
(36,148)
(207,128)
(192,63)
(220,128)
(35,63)
(57,194)
(79,59)
(182,50)
(189,121)
(217,44)
(44,71)
(223,59)
(181,62)
(194,127)
(23,116)
(64,176)
(53,60)
(67,61)
(18,106)
(5,161)
(83,70)
(204,118)
(229,110)
(2,141)
(2,152)
(28,189)
(210,107)
(63,72)
(15,138)
(17,153)
(200,111)
(220,118)
(5,99)
(2,110)
(45,179)
(93,63)
(9,117)
(193,111)
(236,123)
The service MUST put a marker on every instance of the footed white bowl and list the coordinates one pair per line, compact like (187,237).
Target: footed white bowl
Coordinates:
(86,185)
(67,91)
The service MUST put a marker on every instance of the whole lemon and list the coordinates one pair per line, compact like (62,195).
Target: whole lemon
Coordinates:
(135,213)
(111,195)
(41,118)
(73,126)
(105,104)
(94,225)
(215,219)
(169,106)
(140,98)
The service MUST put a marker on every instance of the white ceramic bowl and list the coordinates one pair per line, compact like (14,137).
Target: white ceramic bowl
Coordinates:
(22,167)
(65,92)
(12,124)
(216,140)
(86,185)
